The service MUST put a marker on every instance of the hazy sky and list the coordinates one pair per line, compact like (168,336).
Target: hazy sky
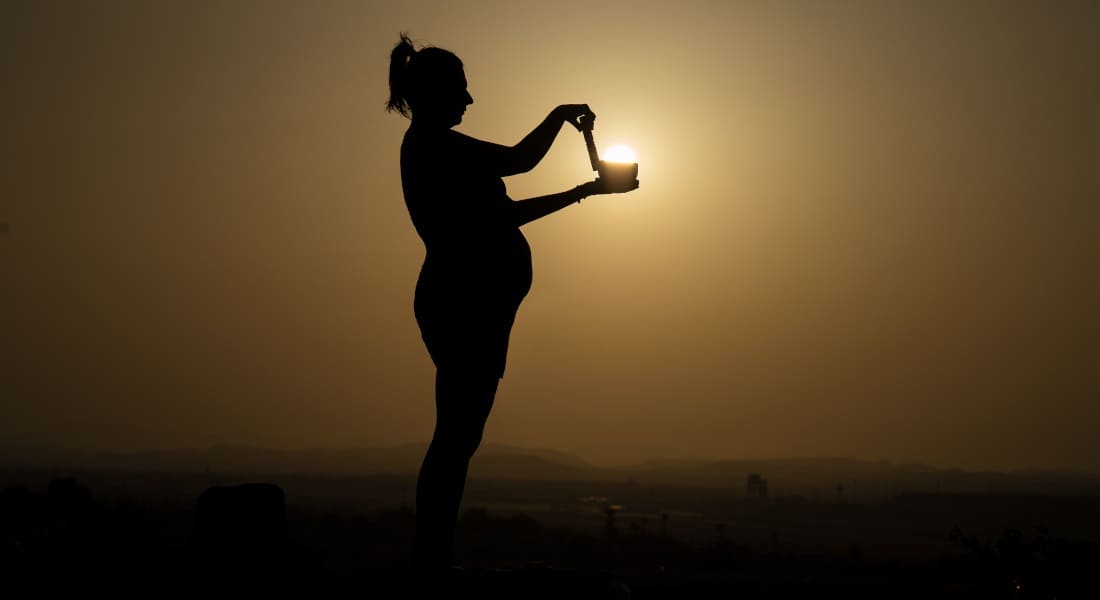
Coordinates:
(864,228)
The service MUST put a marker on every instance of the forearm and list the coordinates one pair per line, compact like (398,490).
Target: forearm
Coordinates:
(525,211)
(532,148)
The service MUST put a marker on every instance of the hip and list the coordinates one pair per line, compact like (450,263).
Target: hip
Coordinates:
(494,286)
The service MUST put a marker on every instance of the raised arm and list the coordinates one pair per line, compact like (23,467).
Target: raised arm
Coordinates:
(525,155)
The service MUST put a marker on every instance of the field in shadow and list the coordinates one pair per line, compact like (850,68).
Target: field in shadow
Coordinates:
(115,530)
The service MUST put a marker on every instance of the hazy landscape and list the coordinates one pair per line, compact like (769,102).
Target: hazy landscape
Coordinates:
(810,478)
(661,527)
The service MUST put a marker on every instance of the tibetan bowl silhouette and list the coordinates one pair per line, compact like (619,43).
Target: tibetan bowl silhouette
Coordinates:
(618,175)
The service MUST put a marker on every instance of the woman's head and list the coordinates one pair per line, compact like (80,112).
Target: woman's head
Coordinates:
(429,84)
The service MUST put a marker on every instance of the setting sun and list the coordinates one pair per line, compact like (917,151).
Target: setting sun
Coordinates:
(620,153)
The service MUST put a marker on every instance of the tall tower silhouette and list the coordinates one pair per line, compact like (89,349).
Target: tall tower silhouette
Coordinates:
(756,487)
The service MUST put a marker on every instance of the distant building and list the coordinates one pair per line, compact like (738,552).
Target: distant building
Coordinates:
(756,487)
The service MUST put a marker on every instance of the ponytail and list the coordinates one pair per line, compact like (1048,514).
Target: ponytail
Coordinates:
(402,54)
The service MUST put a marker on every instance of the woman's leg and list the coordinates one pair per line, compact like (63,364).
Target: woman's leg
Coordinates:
(462,405)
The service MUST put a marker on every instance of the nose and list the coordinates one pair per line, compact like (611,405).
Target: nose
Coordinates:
(469,98)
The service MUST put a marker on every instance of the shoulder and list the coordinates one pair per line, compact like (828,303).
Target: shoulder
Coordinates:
(460,145)
(425,144)
(435,136)
(448,149)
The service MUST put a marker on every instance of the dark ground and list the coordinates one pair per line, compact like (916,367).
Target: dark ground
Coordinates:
(139,532)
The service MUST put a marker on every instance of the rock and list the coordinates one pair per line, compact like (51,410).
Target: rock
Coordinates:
(241,536)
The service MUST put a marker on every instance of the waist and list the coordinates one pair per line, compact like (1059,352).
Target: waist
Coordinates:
(462,270)
(506,248)
(446,266)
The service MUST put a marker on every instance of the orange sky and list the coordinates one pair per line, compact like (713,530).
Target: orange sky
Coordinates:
(864,228)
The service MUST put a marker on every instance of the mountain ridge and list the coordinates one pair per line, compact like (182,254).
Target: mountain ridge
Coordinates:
(813,476)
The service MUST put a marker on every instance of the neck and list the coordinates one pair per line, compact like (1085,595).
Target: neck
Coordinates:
(430,122)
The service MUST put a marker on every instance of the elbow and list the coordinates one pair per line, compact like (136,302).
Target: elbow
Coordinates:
(520,162)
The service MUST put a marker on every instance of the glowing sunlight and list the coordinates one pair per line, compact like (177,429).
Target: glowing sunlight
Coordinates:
(620,153)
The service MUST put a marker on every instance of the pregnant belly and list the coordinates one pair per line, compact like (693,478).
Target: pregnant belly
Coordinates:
(475,281)
(496,271)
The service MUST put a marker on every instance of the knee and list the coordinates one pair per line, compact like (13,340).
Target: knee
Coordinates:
(457,444)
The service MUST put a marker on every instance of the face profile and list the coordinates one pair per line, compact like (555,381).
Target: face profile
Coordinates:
(451,101)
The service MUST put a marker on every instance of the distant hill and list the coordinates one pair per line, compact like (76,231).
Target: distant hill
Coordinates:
(835,478)
(495,461)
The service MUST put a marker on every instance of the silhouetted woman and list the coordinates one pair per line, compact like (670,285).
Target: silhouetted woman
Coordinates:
(477,269)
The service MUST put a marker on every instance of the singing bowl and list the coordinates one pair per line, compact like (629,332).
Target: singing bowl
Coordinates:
(618,175)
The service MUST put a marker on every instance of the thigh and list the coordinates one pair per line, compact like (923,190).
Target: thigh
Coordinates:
(465,338)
